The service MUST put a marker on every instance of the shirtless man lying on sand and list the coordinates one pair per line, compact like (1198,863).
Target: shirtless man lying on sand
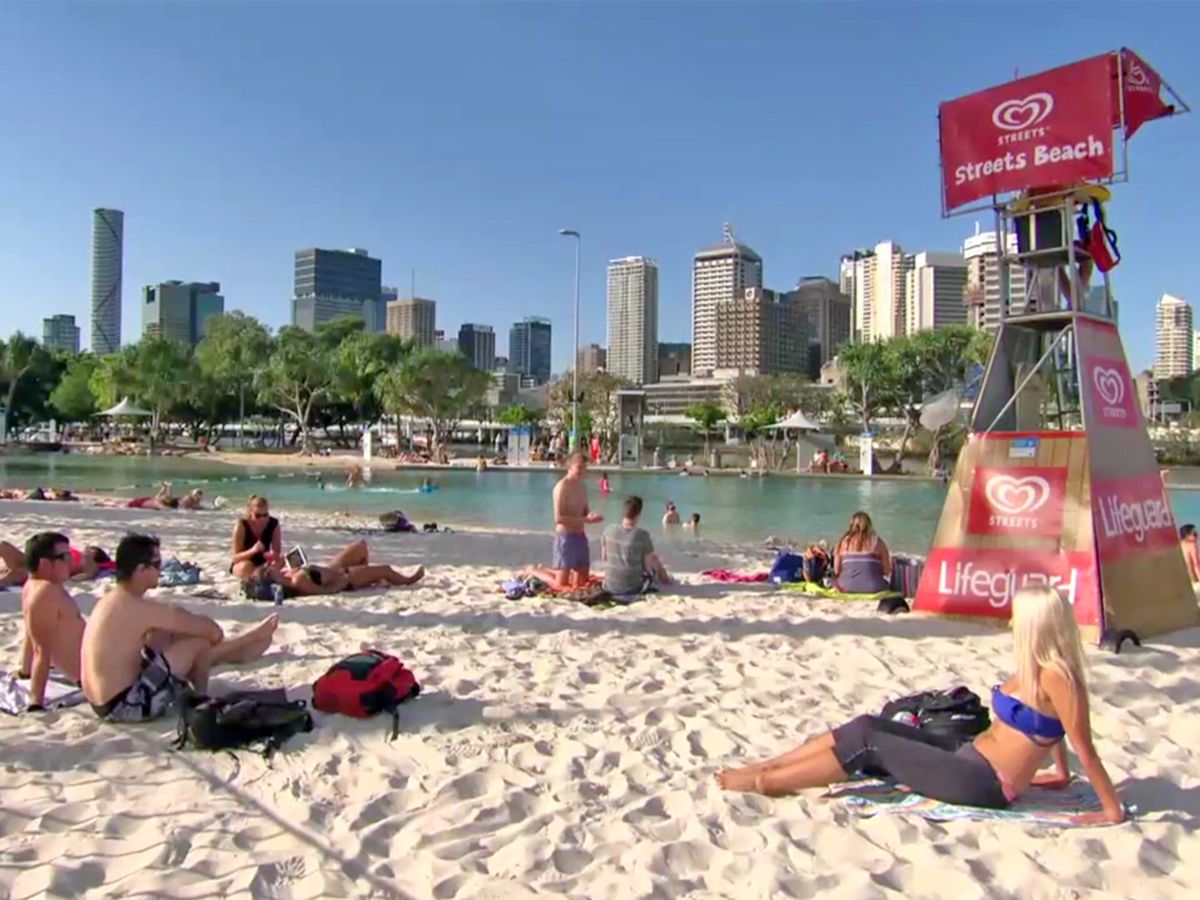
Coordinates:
(137,651)
(53,624)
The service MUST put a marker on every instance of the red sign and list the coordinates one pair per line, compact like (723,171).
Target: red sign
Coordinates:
(1021,500)
(1132,515)
(971,582)
(1142,90)
(1110,392)
(1051,128)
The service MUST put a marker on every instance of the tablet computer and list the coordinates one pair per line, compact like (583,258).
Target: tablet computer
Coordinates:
(296,558)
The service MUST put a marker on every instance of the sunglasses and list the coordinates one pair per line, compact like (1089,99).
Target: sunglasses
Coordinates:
(155,564)
(262,515)
(60,557)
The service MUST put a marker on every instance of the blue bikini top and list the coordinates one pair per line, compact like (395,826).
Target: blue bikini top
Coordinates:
(1041,729)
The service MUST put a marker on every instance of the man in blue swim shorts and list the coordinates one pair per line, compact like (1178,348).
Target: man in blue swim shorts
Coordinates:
(572,555)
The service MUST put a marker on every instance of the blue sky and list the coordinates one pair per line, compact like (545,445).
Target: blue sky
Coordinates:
(456,139)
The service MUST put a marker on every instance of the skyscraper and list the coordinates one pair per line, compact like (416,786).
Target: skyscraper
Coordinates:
(180,310)
(478,344)
(414,319)
(108,247)
(983,293)
(875,281)
(592,358)
(1172,338)
(933,292)
(529,343)
(633,319)
(60,333)
(674,359)
(825,310)
(760,333)
(332,283)
(719,273)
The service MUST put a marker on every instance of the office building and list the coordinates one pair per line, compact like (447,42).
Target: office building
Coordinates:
(987,301)
(719,273)
(933,292)
(478,344)
(875,281)
(179,311)
(414,319)
(760,333)
(671,397)
(592,358)
(108,248)
(633,319)
(529,344)
(443,343)
(332,283)
(825,311)
(1172,338)
(60,333)
(674,359)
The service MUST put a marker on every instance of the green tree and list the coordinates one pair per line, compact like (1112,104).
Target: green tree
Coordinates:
(519,417)
(72,397)
(296,378)
(599,411)
(442,388)
(358,361)
(234,349)
(871,381)
(164,372)
(706,415)
(754,424)
(22,359)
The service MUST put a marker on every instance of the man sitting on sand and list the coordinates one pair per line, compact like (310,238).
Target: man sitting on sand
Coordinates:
(1191,552)
(572,555)
(53,623)
(631,566)
(137,651)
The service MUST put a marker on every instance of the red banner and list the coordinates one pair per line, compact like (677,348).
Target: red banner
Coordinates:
(1051,128)
(1132,515)
(1024,500)
(1142,89)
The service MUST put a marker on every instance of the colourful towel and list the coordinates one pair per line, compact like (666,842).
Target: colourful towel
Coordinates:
(816,590)
(729,577)
(1038,805)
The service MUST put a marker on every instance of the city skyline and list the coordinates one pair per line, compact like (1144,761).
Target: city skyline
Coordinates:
(474,204)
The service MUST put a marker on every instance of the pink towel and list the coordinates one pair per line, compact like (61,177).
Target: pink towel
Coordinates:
(736,577)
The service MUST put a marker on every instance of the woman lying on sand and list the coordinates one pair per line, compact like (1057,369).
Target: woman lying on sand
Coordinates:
(1045,700)
(350,570)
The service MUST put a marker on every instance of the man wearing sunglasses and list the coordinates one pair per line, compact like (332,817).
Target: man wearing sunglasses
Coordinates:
(138,653)
(53,623)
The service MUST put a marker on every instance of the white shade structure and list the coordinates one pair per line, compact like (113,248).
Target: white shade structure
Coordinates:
(797,421)
(126,408)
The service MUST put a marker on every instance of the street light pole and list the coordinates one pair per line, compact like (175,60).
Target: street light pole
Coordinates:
(568,232)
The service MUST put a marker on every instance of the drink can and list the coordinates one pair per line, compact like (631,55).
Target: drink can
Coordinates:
(904,717)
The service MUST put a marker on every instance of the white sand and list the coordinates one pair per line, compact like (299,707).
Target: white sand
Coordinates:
(558,750)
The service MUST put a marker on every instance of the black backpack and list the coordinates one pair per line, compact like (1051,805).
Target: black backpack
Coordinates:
(956,716)
(241,719)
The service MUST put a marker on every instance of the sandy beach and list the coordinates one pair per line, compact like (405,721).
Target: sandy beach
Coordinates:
(559,750)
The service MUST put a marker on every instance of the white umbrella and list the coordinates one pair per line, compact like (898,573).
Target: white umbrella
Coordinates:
(797,421)
(126,408)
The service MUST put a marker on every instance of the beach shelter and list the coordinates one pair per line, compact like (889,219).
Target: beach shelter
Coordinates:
(797,421)
(126,408)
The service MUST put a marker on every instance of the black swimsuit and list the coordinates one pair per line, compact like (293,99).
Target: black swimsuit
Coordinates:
(249,540)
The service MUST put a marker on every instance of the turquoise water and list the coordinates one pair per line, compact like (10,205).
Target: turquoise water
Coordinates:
(745,510)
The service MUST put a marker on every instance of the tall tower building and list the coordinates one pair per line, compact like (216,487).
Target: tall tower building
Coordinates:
(592,358)
(180,311)
(761,333)
(478,344)
(1172,338)
(719,273)
(986,304)
(414,319)
(529,349)
(60,333)
(933,294)
(824,308)
(875,280)
(633,319)
(332,283)
(108,248)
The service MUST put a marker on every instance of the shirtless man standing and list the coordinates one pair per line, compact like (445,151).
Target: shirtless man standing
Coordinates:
(137,652)
(572,556)
(53,624)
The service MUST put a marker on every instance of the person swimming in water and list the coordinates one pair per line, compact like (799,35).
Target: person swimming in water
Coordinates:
(1034,710)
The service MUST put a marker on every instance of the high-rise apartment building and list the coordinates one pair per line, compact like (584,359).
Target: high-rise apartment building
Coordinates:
(60,333)
(719,273)
(332,283)
(674,360)
(986,299)
(529,349)
(1172,338)
(633,319)
(933,292)
(443,343)
(478,344)
(180,310)
(414,319)
(875,281)
(760,333)
(592,358)
(825,312)
(108,247)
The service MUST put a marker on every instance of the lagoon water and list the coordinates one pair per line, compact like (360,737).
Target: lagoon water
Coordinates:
(742,510)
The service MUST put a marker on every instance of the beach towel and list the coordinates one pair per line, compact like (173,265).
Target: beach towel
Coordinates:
(728,577)
(1037,805)
(816,590)
(177,574)
(14,693)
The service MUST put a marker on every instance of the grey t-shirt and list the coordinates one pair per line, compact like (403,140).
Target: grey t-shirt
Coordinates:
(625,551)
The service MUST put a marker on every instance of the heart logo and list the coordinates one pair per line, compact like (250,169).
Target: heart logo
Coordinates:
(1109,385)
(1135,75)
(1014,496)
(1016,115)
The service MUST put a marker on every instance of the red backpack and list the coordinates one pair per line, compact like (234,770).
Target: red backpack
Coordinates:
(365,684)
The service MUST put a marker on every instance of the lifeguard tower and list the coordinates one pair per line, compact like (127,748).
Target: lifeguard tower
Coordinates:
(1058,482)
(632,408)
